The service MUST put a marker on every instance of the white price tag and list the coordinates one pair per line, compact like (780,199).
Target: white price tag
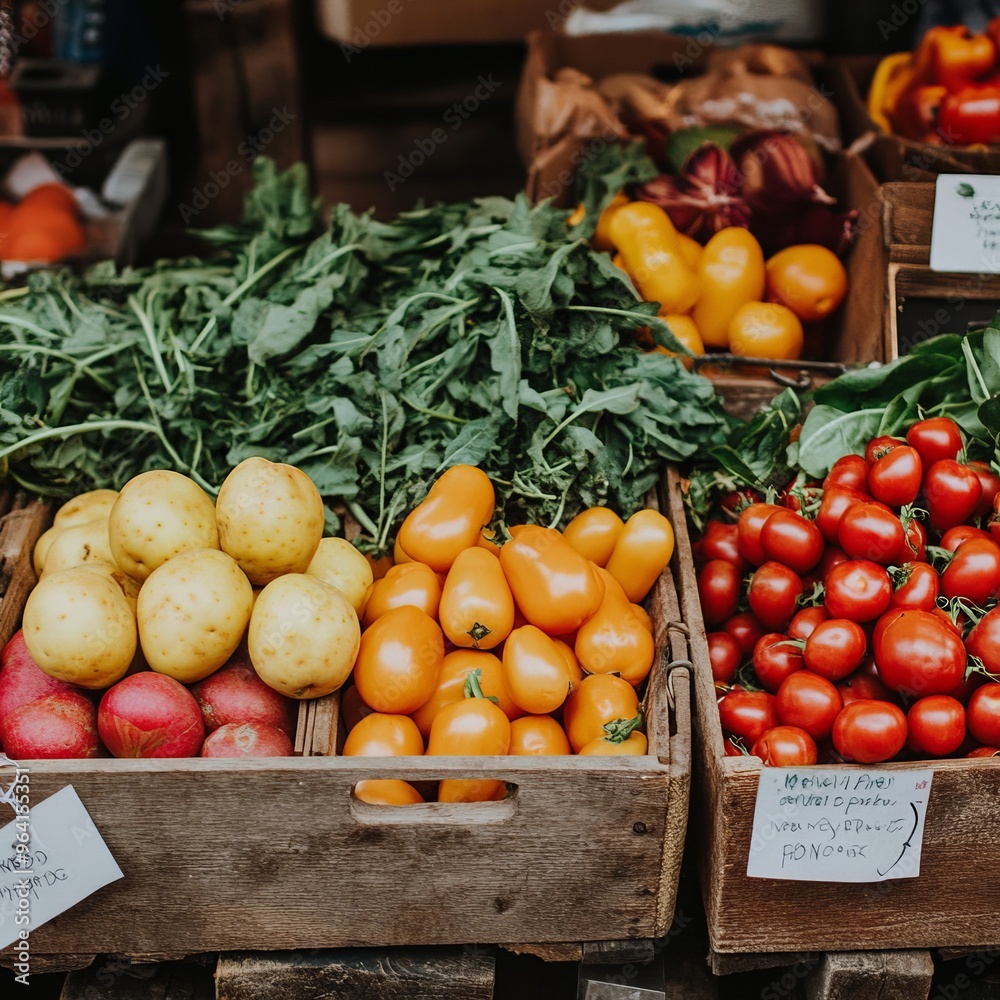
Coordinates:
(838,824)
(62,861)
(965,234)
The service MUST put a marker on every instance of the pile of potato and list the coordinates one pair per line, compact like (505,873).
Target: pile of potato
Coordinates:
(160,576)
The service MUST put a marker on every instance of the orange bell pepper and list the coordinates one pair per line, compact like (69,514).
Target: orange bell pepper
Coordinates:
(953,56)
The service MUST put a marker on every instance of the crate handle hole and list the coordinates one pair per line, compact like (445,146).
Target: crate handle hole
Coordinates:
(460,813)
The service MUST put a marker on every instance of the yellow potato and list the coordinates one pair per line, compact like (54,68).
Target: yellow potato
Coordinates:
(270,519)
(41,549)
(338,563)
(128,586)
(86,507)
(193,611)
(78,627)
(79,544)
(158,515)
(303,637)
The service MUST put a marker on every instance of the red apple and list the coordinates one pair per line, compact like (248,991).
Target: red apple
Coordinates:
(22,681)
(58,726)
(150,715)
(235,693)
(248,739)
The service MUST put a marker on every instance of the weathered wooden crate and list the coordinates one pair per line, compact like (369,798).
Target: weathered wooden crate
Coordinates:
(946,302)
(854,335)
(953,903)
(225,855)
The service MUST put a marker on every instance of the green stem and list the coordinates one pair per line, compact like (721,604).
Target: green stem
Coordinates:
(24,324)
(619,730)
(362,518)
(147,329)
(474,688)
(329,258)
(433,413)
(252,279)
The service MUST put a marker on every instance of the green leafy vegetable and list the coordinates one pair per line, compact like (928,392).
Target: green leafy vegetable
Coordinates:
(373,355)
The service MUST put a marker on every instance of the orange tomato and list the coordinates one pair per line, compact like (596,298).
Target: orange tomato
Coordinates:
(601,240)
(380,566)
(477,607)
(398,555)
(600,699)
(535,671)
(387,792)
(572,663)
(643,615)
(807,278)
(352,708)
(642,552)
(450,518)
(613,640)
(409,584)
(473,727)
(538,735)
(731,273)
(451,685)
(634,745)
(766,330)
(379,735)
(593,533)
(690,250)
(399,660)
(553,585)
(686,331)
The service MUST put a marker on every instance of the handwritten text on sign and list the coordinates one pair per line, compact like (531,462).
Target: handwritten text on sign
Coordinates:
(66,861)
(838,824)
(965,233)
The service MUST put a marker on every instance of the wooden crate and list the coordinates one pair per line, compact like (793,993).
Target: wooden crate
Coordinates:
(854,335)
(224,855)
(952,300)
(953,903)
(892,157)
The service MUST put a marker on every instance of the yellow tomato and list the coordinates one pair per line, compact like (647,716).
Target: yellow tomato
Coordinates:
(730,273)
(766,330)
(593,533)
(807,278)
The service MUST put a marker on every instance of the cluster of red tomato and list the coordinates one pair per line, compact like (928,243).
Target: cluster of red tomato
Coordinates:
(534,645)
(850,624)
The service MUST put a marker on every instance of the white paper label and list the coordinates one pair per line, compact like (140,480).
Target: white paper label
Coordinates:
(822,824)
(63,861)
(965,234)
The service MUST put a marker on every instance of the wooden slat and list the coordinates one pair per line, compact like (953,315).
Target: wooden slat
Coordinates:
(949,905)
(871,975)
(20,528)
(326,716)
(109,979)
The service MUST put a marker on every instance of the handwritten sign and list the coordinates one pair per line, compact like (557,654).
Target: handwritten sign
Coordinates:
(965,234)
(63,860)
(827,824)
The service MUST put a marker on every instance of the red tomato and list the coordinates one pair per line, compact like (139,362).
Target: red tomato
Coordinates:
(936,725)
(774,659)
(858,589)
(864,687)
(850,471)
(983,715)
(868,531)
(917,654)
(746,630)
(990,482)
(748,714)
(984,752)
(974,571)
(785,746)
(895,478)
(951,493)
(749,526)
(869,731)
(725,655)
(835,648)
(719,590)
(721,541)
(802,495)
(917,586)
(810,702)
(880,446)
(774,589)
(935,438)
(954,537)
(792,540)
(731,749)
(914,547)
(836,502)
(984,640)
(805,621)
(963,690)
(735,501)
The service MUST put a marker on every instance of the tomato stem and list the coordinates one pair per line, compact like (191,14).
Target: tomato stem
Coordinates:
(619,730)
(474,687)
(478,632)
